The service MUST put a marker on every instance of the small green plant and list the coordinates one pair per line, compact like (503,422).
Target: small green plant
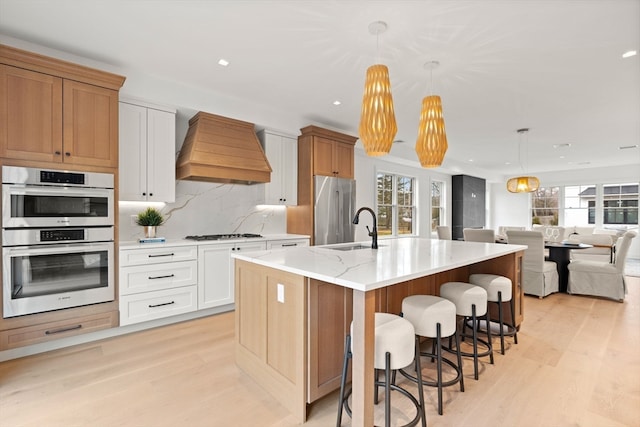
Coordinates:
(150,217)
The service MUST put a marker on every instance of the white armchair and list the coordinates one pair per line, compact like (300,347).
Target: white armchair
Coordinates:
(444,232)
(539,277)
(599,278)
(479,235)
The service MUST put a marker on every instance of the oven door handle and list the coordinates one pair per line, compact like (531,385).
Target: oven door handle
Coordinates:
(20,190)
(56,249)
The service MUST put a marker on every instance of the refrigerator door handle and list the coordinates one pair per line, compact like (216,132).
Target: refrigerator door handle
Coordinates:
(340,208)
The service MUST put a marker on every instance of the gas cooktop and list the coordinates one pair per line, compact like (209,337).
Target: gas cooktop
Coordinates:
(223,236)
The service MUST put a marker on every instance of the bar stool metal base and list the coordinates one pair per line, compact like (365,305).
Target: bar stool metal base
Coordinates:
(388,384)
(437,355)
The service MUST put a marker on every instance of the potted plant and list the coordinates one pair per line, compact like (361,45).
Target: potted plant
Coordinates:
(150,218)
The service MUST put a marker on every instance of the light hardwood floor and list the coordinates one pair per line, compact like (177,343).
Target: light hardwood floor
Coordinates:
(577,364)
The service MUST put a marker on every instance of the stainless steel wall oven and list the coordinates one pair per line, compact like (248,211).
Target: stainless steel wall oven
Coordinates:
(57,239)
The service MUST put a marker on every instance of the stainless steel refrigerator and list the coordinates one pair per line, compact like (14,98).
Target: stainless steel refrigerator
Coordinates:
(335,206)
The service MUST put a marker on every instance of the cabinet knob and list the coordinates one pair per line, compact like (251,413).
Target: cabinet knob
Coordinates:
(151,194)
(144,194)
(67,154)
(57,153)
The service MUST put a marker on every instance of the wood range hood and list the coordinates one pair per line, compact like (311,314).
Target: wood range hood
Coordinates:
(220,149)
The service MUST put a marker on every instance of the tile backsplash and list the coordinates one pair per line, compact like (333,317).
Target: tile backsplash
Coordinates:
(208,208)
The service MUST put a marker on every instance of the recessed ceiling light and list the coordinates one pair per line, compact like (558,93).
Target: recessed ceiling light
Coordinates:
(628,147)
(470,160)
(629,54)
(584,163)
(336,102)
(223,62)
(561,145)
(507,163)
(562,157)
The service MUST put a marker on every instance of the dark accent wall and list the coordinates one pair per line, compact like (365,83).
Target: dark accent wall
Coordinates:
(468,203)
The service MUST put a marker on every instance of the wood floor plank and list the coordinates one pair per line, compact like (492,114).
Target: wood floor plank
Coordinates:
(577,364)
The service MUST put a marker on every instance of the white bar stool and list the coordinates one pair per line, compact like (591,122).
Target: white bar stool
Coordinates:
(394,349)
(471,304)
(498,291)
(434,317)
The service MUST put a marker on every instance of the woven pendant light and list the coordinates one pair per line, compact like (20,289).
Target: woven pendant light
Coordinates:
(431,144)
(522,184)
(378,125)
(377,120)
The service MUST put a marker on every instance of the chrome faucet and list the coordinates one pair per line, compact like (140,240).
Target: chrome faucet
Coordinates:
(373,234)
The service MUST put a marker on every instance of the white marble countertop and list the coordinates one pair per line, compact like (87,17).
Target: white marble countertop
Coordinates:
(396,260)
(185,242)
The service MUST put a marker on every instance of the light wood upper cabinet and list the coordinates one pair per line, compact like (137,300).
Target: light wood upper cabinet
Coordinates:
(53,111)
(147,152)
(90,132)
(282,152)
(50,119)
(30,115)
(332,158)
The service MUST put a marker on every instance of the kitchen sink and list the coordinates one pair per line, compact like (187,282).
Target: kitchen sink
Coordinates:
(349,247)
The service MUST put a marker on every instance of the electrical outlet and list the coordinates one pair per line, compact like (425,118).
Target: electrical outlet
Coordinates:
(133,219)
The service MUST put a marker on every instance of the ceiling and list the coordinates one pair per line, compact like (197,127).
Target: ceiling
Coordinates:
(554,66)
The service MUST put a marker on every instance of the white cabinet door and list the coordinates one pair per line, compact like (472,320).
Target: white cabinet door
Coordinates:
(133,152)
(215,272)
(147,153)
(282,152)
(161,156)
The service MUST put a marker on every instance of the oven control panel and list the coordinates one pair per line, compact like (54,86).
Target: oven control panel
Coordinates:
(61,235)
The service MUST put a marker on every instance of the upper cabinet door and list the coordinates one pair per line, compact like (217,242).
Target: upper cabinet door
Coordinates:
(147,153)
(161,156)
(323,163)
(343,157)
(30,115)
(90,126)
(133,152)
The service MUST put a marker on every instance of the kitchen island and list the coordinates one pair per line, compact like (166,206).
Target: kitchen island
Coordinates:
(294,307)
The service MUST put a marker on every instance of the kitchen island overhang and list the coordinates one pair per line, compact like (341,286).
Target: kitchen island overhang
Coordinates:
(278,312)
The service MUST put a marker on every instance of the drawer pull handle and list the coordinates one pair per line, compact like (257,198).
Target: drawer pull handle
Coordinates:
(289,244)
(162,277)
(160,305)
(157,255)
(57,331)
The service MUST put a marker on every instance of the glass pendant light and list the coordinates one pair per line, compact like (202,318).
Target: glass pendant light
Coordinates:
(522,184)
(377,120)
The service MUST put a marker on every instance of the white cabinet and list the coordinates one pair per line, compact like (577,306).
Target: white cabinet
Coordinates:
(157,282)
(282,152)
(216,272)
(147,152)
(286,243)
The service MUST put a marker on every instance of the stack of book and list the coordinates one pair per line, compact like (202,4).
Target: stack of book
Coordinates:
(151,240)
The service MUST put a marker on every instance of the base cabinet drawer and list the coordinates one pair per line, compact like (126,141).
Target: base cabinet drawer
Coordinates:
(35,334)
(158,255)
(143,278)
(157,304)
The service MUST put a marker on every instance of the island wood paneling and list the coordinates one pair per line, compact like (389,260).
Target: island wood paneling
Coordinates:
(328,309)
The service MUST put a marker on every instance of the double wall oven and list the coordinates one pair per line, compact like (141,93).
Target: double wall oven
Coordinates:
(57,239)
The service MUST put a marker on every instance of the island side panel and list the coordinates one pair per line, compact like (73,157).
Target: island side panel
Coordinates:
(271,332)
(330,312)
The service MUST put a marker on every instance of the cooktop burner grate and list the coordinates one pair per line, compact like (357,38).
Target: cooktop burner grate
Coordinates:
(223,236)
